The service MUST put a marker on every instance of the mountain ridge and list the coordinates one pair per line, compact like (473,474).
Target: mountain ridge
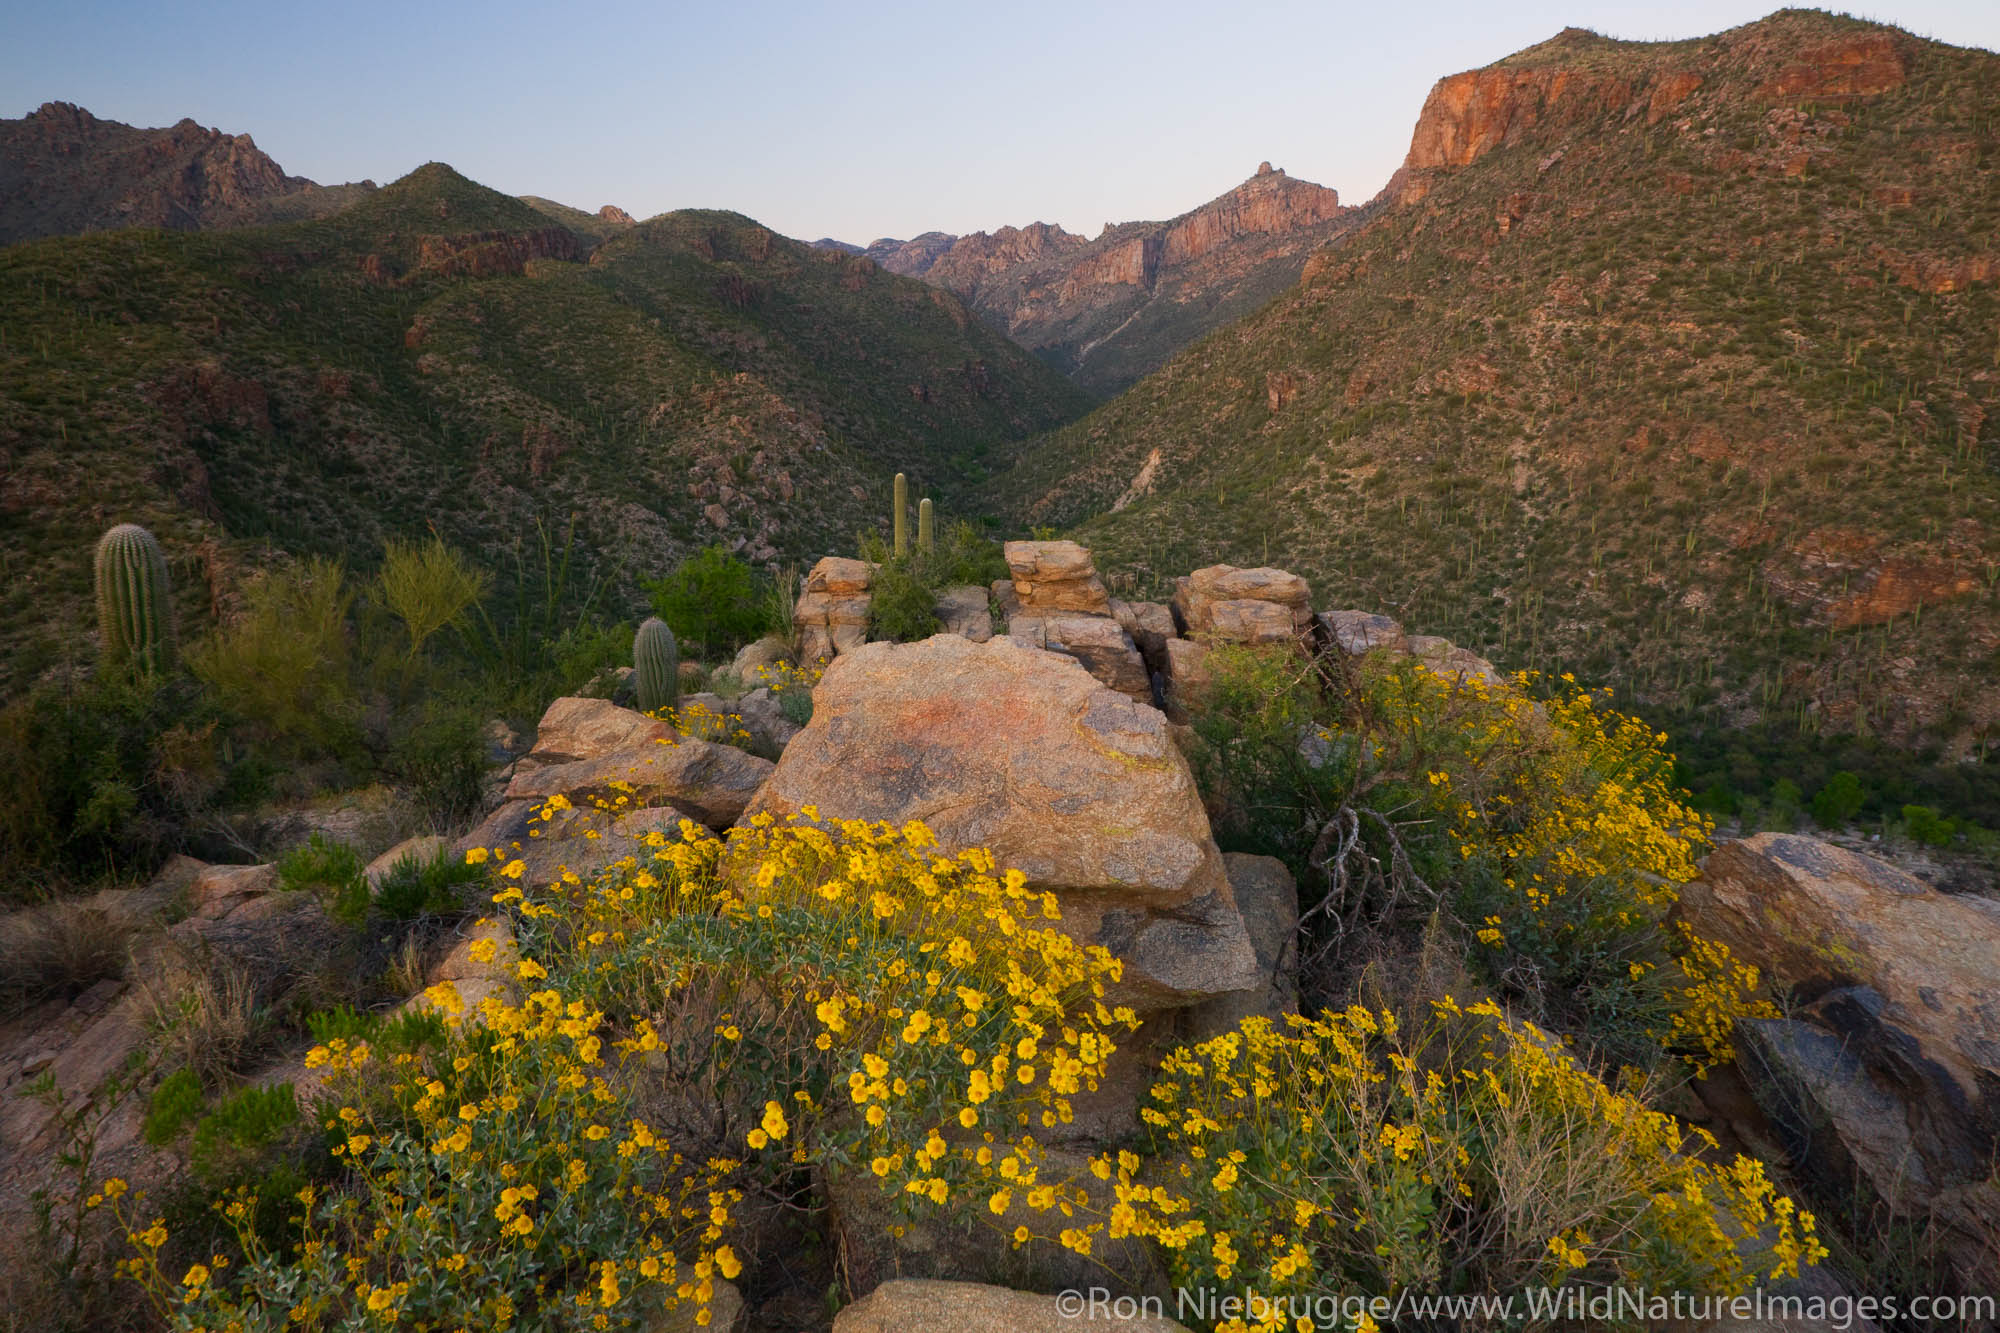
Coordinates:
(64,171)
(1105,310)
(1671,363)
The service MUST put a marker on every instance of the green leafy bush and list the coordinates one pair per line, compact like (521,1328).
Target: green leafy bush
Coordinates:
(711,599)
(429,587)
(1839,801)
(1926,826)
(106,773)
(414,888)
(283,665)
(901,606)
(332,872)
(174,1105)
(440,760)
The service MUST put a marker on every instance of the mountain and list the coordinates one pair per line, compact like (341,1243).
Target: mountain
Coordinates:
(1673,363)
(63,171)
(442,355)
(1106,311)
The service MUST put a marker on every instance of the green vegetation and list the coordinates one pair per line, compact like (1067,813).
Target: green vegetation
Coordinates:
(711,600)
(434,361)
(1711,433)
(1543,837)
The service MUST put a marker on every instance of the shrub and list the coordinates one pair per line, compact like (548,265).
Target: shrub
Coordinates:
(1839,801)
(282,665)
(416,887)
(175,1104)
(57,949)
(428,586)
(203,1010)
(332,872)
(925,993)
(440,759)
(1345,1153)
(1547,830)
(104,774)
(1926,826)
(902,606)
(697,721)
(711,599)
(231,1138)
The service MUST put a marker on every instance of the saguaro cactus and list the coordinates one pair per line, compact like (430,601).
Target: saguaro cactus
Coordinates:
(135,614)
(902,503)
(656,661)
(926,532)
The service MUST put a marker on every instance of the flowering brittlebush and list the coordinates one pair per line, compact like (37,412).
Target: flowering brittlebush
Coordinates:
(1343,1153)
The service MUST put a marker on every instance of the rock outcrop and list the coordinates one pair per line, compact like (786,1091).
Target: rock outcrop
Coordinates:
(831,616)
(1020,751)
(624,776)
(62,171)
(1889,1076)
(1235,605)
(1052,577)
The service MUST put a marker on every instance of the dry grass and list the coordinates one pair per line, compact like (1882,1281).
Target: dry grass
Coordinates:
(204,1009)
(58,949)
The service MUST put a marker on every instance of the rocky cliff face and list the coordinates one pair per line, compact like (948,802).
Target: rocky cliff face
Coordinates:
(62,170)
(1110,309)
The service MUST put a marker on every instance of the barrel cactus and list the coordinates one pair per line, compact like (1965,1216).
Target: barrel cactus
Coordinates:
(902,503)
(926,533)
(656,661)
(135,614)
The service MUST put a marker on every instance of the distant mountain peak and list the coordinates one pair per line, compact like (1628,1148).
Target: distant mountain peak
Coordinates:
(64,170)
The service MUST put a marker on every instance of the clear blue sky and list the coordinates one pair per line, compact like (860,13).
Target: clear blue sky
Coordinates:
(855,121)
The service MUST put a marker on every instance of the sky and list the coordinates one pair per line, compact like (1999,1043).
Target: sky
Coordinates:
(855,121)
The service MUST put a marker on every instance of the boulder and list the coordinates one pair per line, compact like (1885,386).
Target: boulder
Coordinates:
(909,1304)
(966,611)
(1056,576)
(578,728)
(837,576)
(755,658)
(831,615)
(1150,624)
(1359,632)
(1185,678)
(591,750)
(1005,600)
(1023,752)
(764,717)
(1268,898)
(1196,596)
(1897,1047)
(1105,650)
(580,841)
(1449,660)
(424,847)
(1240,620)
(485,948)
(218,891)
